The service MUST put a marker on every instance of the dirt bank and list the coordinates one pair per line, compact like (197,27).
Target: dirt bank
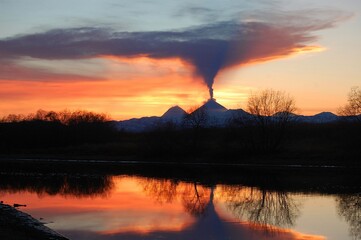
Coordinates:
(15,224)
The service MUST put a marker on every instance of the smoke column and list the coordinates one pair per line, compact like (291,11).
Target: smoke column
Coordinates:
(208,58)
(210,92)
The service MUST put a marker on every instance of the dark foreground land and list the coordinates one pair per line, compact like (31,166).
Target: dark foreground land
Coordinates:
(336,144)
(15,224)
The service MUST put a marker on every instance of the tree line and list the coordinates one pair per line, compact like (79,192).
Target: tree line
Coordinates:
(269,130)
(47,129)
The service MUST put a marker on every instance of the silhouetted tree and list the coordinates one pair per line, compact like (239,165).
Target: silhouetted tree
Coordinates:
(272,112)
(45,129)
(196,120)
(353,107)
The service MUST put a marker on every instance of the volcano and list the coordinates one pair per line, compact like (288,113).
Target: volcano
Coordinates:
(212,107)
(215,112)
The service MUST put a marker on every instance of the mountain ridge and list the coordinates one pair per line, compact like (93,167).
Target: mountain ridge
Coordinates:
(218,116)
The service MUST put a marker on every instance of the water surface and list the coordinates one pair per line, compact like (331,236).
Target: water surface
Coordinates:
(139,207)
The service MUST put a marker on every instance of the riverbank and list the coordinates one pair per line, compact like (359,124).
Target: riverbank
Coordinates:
(18,225)
(281,160)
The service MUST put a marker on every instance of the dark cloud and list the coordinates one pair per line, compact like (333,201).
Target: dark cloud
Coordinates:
(9,70)
(208,48)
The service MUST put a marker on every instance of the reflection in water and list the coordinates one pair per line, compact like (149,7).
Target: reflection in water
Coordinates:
(349,207)
(147,208)
(265,211)
(194,196)
(266,208)
(63,185)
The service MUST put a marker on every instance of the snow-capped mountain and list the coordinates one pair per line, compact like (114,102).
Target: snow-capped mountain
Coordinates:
(216,115)
(212,107)
(175,114)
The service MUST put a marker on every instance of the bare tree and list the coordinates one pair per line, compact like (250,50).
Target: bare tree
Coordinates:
(272,112)
(196,117)
(196,120)
(353,107)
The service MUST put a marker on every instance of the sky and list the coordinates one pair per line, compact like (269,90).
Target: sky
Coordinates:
(139,58)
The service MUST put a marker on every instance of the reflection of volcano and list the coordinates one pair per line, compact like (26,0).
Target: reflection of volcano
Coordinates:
(148,208)
(213,226)
(208,222)
(207,226)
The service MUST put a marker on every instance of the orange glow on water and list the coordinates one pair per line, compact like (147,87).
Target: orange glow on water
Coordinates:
(143,206)
(125,199)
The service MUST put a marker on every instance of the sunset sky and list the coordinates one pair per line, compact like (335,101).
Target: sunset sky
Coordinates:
(138,58)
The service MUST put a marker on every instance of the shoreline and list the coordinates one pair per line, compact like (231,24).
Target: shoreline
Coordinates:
(251,163)
(292,177)
(15,224)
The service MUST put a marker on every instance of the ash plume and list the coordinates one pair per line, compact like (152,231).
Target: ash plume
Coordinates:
(209,48)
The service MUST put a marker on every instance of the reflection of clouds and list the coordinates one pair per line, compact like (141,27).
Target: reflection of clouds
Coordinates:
(262,207)
(349,207)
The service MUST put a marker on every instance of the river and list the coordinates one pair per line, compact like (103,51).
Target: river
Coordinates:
(139,206)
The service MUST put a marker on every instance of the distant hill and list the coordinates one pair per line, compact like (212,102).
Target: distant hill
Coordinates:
(138,124)
(323,117)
